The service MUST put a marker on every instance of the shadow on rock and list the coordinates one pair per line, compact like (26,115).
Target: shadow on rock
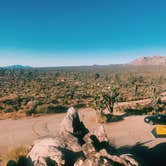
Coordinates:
(51,162)
(102,145)
(11,163)
(21,162)
(155,156)
(79,131)
(70,157)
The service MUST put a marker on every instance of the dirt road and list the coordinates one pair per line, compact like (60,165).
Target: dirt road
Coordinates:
(129,131)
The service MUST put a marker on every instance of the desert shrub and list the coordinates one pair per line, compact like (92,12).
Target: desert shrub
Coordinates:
(113,118)
(157,105)
(54,101)
(15,156)
(9,102)
(79,105)
(44,108)
(139,111)
(101,117)
(106,118)
(7,110)
(29,112)
(57,109)
(47,108)
(119,109)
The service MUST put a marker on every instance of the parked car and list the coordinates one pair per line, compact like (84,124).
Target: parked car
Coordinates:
(156,119)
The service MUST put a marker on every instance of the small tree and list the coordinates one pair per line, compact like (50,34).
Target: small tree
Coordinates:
(106,99)
(98,102)
(156,102)
(97,75)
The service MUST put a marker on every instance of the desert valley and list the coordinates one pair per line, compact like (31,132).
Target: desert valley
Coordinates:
(34,102)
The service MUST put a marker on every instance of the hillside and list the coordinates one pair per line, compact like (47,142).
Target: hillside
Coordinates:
(151,60)
(17,67)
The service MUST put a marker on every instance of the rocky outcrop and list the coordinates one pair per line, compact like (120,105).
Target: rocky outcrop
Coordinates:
(74,145)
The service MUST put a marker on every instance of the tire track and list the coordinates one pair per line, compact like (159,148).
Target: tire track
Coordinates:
(40,128)
(34,128)
(45,127)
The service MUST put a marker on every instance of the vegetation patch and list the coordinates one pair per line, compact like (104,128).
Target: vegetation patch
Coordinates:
(52,90)
(15,156)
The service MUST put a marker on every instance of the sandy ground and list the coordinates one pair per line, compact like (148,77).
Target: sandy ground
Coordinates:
(127,132)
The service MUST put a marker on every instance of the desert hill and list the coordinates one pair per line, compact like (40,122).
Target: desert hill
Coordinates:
(151,60)
(17,67)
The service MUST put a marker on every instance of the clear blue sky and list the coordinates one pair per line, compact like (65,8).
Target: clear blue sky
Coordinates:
(80,32)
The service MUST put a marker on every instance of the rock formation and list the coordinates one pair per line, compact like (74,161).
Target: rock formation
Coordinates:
(74,145)
(151,60)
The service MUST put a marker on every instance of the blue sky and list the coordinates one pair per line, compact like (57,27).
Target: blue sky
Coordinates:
(80,32)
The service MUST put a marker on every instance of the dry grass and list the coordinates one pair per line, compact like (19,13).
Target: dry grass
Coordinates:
(15,155)
(101,118)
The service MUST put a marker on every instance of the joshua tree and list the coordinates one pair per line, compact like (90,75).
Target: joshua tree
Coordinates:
(97,75)
(156,102)
(106,99)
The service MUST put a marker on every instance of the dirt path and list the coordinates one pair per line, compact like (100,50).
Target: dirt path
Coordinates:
(24,131)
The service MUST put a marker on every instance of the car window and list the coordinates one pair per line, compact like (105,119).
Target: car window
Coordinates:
(164,117)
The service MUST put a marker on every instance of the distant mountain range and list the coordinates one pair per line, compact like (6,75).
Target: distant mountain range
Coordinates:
(141,61)
(17,67)
(151,60)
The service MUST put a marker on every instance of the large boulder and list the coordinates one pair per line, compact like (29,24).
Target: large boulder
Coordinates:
(45,151)
(74,145)
(59,150)
(72,124)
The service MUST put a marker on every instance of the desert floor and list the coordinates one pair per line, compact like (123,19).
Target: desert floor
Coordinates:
(128,132)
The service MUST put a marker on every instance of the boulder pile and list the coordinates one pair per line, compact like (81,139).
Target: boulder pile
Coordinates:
(75,145)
